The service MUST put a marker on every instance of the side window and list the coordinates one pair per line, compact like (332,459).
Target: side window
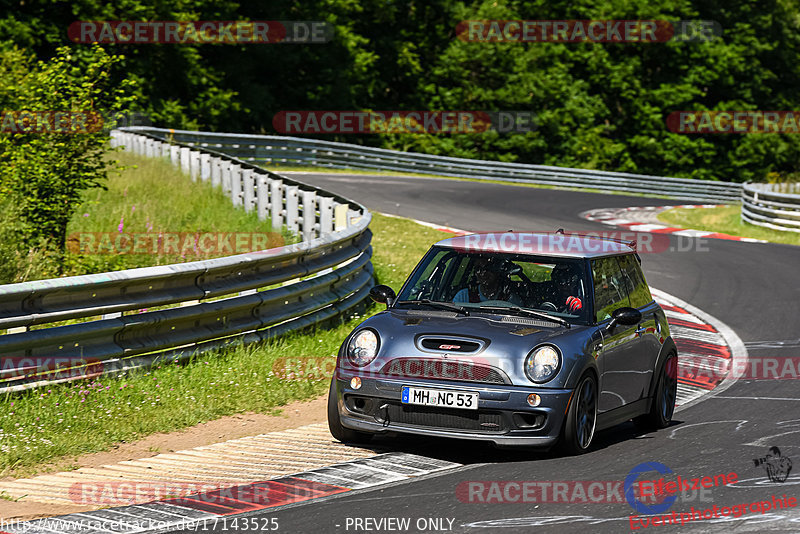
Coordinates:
(610,291)
(637,288)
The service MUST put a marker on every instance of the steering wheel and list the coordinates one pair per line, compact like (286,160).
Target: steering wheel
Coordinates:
(424,290)
(548,306)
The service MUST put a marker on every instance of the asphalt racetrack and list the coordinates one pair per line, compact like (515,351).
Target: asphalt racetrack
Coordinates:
(752,287)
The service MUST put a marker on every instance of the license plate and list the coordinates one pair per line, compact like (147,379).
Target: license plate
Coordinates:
(467,400)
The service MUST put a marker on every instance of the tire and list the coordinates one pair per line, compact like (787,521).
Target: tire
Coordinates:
(340,433)
(663,406)
(581,419)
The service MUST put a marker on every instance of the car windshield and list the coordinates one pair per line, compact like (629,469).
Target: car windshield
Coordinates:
(553,285)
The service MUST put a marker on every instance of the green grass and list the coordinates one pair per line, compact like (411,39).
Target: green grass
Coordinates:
(724,219)
(150,197)
(55,424)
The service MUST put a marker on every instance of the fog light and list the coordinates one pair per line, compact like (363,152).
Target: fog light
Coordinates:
(355,383)
(534,399)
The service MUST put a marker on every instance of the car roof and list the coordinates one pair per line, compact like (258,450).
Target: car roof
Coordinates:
(565,245)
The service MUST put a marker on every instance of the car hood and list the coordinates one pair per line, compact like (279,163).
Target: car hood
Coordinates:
(499,341)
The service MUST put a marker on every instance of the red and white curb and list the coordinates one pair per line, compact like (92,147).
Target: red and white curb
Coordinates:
(705,345)
(205,511)
(643,219)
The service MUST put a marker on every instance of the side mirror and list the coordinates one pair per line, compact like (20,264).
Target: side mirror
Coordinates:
(383,295)
(626,316)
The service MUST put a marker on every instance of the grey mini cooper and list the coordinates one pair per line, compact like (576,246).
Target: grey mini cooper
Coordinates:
(514,338)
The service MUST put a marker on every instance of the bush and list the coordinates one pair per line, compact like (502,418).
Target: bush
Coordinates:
(43,171)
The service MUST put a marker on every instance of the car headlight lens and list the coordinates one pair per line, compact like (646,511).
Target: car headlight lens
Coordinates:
(363,348)
(543,363)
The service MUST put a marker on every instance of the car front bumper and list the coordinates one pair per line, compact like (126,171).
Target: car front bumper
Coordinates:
(503,417)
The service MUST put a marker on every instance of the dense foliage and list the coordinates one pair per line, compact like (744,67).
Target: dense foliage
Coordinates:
(598,105)
(52,147)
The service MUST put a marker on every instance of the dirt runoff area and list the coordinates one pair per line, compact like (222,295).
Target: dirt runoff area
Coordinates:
(292,415)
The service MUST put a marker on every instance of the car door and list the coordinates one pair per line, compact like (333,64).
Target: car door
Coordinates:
(620,382)
(647,343)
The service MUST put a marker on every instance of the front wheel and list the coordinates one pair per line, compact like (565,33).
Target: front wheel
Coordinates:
(340,433)
(663,406)
(581,417)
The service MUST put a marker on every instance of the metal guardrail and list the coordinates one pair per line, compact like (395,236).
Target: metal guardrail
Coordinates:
(267,149)
(215,302)
(772,206)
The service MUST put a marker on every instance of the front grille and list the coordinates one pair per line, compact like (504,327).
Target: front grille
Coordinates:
(428,416)
(441,369)
(449,345)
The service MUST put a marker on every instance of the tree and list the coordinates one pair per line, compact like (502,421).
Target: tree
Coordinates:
(53,143)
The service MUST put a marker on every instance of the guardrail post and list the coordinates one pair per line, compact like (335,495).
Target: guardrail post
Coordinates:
(276,204)
(236,184)
(175,155)
(340,217)
(325,215)
(205,167)
(185,159)
(248,189)
(262,196)
(292,208)
(226,176)
(216,172)
(194,164)
(309,215)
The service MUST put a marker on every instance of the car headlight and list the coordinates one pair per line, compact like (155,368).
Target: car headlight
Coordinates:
(542,363)
(363,347)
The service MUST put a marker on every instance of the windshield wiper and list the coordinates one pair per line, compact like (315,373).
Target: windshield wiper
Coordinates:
(530,313)
(435,304)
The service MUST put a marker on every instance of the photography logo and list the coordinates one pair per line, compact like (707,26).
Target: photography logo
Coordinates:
(630,485)
(777,467)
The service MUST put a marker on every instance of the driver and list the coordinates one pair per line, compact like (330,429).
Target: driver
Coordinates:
(492,284)
(565,289)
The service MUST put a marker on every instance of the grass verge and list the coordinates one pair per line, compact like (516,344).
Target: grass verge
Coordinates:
(56,424)
(170,212)
(725,219)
